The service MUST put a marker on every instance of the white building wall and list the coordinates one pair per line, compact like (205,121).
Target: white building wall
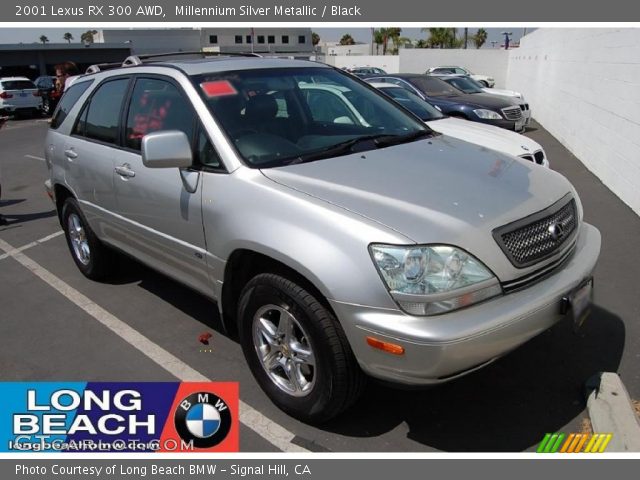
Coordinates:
(492,62)
(347,50)
(389,63)
(584,88)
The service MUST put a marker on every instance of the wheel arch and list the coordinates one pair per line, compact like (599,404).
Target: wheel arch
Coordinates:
(244,264)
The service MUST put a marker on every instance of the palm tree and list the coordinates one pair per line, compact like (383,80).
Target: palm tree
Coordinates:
(393,34)
(378,39)
(422,43)
(68,37)
(87,37)
(315,38)
(479,38)
(438,37)
(466,37)
(347,39)
(44,39)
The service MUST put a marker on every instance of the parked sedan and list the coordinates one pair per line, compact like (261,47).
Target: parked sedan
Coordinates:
(485,80)
(470,86)
(487,136)
(49,93)
(365,72)
(484,108)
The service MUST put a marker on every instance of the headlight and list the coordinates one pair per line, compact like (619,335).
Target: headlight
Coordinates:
(487,114)
(432,279)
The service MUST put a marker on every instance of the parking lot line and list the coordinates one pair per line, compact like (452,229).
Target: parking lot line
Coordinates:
(35,158)
(250,417)
(32,244)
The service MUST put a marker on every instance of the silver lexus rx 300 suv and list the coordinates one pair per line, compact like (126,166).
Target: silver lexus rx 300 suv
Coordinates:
(336,247)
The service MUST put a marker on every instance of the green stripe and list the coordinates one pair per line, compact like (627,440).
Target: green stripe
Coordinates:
(552,440)
(558,443)
(543,443)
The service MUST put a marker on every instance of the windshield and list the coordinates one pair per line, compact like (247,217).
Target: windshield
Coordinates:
(475,83)
(464,84)
(17,85)
(413,103)
(276,117)
(433,86)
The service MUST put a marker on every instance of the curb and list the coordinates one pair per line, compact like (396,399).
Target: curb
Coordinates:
(611,411)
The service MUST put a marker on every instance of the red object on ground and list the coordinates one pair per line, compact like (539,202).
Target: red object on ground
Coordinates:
(204,338)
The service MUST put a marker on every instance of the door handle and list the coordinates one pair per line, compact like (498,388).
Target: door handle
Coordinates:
(125,171)
(70,153)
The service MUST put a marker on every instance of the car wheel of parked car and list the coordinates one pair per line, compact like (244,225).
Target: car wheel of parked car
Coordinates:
(297,350)
(46,106)
(92,257)
(484,84)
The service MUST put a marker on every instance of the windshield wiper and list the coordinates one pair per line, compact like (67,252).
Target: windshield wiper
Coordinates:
(409,137)
(344,148)
(338,149)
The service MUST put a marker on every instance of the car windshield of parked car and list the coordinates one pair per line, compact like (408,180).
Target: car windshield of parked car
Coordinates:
(414,103)
(476,83)
(463,84)
(433,86)
(17,85)
(282,116)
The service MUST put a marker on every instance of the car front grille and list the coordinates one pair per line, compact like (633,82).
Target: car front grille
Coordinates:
(537,157)
(524,107)
(512,113)
(539,236)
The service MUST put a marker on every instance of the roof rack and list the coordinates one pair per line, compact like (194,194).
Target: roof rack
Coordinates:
(134,60)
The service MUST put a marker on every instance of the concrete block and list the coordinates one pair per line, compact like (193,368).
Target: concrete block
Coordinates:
(611,411)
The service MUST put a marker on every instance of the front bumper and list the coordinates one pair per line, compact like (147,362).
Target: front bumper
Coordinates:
(443,347)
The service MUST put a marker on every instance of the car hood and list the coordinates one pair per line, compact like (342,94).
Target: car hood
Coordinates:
(440,190)
(482,100)
(504,93)
(487,136)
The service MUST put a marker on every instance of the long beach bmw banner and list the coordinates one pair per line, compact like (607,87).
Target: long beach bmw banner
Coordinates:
(119,417)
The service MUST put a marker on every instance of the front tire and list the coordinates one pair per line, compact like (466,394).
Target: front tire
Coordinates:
(484,83)
(91,257)
(296,349)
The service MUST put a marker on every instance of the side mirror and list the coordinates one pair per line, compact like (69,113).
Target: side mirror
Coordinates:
(166,149)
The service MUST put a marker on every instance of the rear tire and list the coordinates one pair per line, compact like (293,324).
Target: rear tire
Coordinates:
(46,107)
(484,84)
(297,350)
(90,255)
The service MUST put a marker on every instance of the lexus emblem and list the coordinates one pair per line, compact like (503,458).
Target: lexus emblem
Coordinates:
(556,230)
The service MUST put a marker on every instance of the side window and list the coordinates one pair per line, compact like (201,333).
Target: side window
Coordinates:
(102,114)
(460,71)
(205,152)
(156,105)
(67,102)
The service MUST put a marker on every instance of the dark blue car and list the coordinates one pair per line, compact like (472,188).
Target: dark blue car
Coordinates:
(479,107)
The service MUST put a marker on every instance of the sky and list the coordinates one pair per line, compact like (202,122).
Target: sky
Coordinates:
(30,35)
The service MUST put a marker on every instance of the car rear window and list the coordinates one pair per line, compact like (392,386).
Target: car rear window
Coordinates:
(17,85)
(67,102)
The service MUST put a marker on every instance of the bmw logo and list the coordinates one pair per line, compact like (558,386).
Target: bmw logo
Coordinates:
(203,418)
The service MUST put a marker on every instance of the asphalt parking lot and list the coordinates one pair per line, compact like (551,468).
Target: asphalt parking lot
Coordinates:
(57,325)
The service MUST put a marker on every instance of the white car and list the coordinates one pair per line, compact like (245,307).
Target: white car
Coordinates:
(485,80)
(481,134)
(19,95)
